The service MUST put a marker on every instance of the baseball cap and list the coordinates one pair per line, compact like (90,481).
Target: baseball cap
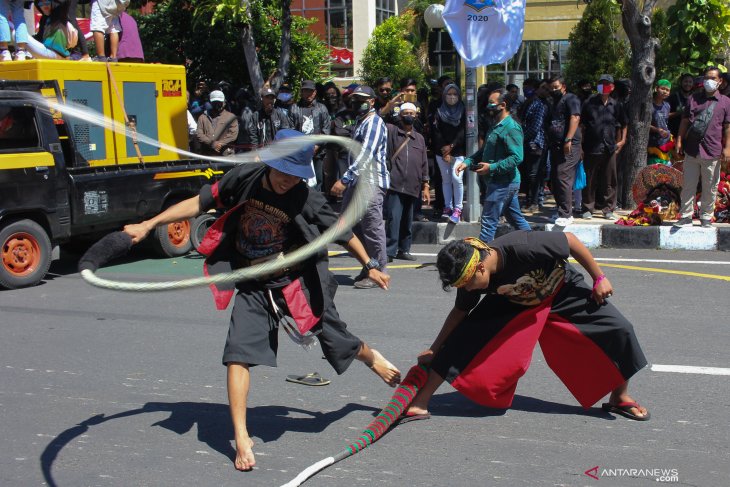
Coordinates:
(606,77)
(267,92)
(308,85)
(364,91)
(217,95)
(297,163)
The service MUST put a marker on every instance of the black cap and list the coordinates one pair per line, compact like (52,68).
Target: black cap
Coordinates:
(308,85)
(364,91)
(267,92)
(286,86)
(606,77)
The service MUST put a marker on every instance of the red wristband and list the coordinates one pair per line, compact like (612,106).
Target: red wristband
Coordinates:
(597,280)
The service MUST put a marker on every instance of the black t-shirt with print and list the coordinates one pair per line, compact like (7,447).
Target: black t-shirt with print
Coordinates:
(532,266)
(558,120)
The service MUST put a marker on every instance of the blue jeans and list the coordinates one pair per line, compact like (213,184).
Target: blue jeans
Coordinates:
(501,198)
(14,9)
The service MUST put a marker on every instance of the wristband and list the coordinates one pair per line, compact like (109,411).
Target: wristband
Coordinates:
(598,280)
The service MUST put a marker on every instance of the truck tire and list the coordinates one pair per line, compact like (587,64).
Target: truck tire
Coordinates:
(200,226)
(172,240)
(25,255)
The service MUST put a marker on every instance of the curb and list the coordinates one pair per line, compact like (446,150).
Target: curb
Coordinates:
(609,235)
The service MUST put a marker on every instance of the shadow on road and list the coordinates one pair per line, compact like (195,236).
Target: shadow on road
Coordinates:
(214,425)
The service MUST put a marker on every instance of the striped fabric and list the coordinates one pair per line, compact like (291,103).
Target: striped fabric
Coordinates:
(373,135)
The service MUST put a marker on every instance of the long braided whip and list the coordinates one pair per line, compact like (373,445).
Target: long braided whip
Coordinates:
(398,404)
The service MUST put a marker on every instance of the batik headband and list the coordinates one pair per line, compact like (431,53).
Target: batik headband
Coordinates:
(470,267)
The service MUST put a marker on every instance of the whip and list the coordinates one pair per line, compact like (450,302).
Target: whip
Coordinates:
(398,404)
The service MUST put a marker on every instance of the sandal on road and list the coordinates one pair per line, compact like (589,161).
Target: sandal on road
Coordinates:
(407,418)
(624,409)
(313,379)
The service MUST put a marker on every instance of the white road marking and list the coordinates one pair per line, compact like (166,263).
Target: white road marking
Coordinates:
(690,369)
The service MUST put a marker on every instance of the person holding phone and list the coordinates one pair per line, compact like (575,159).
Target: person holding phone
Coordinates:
(497,164)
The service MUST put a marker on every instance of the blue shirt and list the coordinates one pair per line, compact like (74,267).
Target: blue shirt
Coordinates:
(372,133)
(534,124)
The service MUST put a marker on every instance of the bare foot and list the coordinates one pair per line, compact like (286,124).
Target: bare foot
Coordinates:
(415,409)
(245,460)
(385,370)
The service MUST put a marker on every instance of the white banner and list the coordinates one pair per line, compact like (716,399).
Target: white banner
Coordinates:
(485,31)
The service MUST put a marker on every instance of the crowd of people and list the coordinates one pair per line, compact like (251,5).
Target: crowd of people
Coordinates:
(57,34)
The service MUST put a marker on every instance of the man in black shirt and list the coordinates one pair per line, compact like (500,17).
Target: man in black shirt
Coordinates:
(260,127)
(312,118)
(604,134)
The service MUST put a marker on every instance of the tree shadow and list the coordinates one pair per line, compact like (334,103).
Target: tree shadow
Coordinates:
(454,404)
(214,425)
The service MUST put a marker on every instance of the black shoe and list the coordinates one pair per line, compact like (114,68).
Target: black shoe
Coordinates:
(404,256)
(390,259)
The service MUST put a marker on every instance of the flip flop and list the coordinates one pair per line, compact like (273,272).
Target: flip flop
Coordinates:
(624,409)
(312,379)
(407,418)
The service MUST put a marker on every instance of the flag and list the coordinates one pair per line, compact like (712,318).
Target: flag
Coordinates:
(485,31)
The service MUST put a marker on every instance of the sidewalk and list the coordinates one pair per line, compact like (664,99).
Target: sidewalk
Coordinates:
(596,232)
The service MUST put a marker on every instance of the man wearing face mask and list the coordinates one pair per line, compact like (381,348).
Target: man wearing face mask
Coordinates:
(408,167)
(498,165)
(260,128)
(585,90)
(312,118)
(217,127)
(704,138)
(604,124)
(564,136)
(372,134)
(285,100)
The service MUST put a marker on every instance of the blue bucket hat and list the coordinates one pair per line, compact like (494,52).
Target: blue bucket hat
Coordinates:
(298,163)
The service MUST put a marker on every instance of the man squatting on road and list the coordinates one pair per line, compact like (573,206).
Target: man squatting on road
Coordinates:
(260,224)
(531,295)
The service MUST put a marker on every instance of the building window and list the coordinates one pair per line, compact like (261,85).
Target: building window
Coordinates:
(383,10)
(333,24)
(534,59)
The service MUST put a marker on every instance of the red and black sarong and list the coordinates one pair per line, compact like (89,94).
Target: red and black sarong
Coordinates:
(592,348)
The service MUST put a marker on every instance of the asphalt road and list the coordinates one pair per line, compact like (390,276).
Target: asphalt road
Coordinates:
(117,389)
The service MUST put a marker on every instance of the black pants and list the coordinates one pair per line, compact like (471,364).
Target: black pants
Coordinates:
(398,213)
(600,190)
(562,176)
(534,172)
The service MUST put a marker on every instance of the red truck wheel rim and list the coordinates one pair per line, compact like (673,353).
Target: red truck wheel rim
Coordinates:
(21,254)
(179,233)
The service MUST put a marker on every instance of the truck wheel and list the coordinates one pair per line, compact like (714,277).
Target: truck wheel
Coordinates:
(25,255)
(199,227)
(172,240)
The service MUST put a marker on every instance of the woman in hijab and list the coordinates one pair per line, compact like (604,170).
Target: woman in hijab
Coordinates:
(449,146)
(58,36)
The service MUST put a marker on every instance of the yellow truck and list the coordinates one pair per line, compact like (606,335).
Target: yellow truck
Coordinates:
(64,177)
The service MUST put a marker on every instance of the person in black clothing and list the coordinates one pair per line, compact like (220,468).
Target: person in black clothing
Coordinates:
(343,126)
(604,134)
(383,91)
(563,138)
(408,168)
(678,100)
(585,90)
(312,118)
(725,84)
(259,128)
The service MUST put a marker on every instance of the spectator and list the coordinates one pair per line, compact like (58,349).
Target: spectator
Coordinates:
(285,100)
(497,163)
(57,39)
(105,21)
(604,124)
(130,45)
(192,126)
(448,142)
(383,92)
(705,128)
(332,99)
(408,176)
(408,93)
(535,148)
(563,137)
(585,90)
(678,101)
(371,133)
(725,84)
(82,45)
(343,126)
(312,118)
(260,128)
(659,134)
(14,9)
(217,127)
(515,99)
(199,103)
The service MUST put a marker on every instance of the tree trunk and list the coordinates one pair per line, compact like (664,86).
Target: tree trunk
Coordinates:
(637,25)
(249,51)
(285,53)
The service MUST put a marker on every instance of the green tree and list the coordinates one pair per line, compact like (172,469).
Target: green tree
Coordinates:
(597,45)
(391,52)
(698,34)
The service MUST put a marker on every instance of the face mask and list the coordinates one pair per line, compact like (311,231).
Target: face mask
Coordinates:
(557,94)
(408,119)
(493,109)
(452,99)
(529,93)
(359,107)
(710,85)
(587,91)
(605,89)
(284,97)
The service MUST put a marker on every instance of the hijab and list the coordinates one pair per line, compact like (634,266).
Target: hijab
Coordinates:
(451,114)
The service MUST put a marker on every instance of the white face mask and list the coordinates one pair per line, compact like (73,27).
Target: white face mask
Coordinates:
(711,85)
